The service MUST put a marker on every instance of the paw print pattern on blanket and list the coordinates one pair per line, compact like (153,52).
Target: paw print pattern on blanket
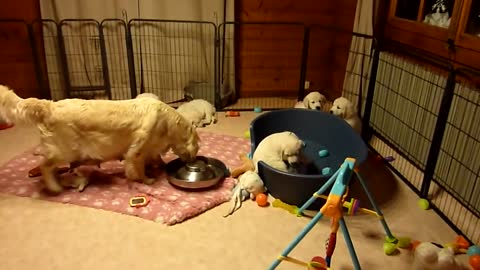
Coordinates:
(111,191)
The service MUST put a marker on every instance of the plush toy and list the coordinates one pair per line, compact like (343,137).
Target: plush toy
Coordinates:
(432,256)
(429,256)
(249,186)
(247,165)
(439,15)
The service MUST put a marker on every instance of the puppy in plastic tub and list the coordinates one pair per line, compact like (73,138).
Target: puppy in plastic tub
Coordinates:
(328,141)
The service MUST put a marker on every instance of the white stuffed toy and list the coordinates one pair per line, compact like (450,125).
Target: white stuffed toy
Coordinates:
(429,256)
(249,186)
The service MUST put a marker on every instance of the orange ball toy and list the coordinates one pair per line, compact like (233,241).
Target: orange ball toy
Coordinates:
(474,262)
(261,199)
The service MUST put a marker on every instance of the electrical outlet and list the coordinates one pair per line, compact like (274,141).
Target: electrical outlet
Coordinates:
(307,84)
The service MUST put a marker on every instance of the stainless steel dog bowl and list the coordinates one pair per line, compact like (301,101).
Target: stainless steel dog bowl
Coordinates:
(204,172)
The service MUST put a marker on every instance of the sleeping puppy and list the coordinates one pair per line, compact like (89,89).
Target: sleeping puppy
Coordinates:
(199,111)
(148,95)
(80,130)
(312,101)
(279,150)
(343,108)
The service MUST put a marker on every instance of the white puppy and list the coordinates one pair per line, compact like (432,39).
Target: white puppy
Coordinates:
(278,150)
(80,130)
(148,95)
(312,101)
(343,108)
(199,111)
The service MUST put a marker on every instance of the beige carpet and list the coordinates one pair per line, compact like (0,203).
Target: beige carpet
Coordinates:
(43,235)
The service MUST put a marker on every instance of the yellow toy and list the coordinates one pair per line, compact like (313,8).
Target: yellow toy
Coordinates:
(333,208)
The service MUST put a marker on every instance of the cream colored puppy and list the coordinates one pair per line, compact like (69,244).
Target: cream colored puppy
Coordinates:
(312,101)
(74,130)
(278,150)
(199,111)
(343,108)
(148,95)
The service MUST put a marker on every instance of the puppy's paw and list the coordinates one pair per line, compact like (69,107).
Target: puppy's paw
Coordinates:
(53,188)
(81,182)
(148,181)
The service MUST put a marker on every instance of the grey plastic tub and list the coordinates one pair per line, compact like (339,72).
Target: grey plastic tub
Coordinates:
(319,131)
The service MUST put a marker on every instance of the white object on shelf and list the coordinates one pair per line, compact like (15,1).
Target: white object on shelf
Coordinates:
(438,19)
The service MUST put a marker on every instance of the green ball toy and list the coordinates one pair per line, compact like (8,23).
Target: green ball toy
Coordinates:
(404,242)
(247,134)
(423,204)
(389,248)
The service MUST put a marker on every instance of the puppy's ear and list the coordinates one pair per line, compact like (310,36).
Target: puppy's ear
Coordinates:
(349,110)
(302,144)
(306,102)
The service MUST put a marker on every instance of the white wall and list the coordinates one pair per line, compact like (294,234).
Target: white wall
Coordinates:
(172,54)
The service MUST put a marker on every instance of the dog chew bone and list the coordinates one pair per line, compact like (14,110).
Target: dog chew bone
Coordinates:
(232,114)
(247,165)
(35,172)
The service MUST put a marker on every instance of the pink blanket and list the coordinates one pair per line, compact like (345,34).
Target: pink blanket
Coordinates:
(109,190)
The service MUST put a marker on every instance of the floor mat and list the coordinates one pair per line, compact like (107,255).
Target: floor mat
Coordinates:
(109,190)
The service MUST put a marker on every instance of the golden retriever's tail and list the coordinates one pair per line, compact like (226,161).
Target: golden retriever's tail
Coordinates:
(16,109)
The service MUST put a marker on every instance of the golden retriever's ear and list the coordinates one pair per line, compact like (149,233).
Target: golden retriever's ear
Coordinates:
(349,110)
(302,144)
(306,102)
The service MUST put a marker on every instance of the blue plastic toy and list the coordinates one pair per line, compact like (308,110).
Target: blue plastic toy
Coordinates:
(323,153)
(332,208)
(473,250)
(326,171)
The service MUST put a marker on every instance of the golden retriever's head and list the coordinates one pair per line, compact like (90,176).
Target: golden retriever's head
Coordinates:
(291,148)
(343,108)
(187,149)
(314,101)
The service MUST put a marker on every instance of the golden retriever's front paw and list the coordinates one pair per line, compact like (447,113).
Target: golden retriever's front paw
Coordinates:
(54,188)
(148,181)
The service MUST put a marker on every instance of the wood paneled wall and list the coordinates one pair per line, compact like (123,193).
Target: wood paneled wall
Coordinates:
(268,57)
(17,69)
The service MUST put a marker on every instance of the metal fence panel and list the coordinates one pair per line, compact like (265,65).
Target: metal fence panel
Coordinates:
(174,59)
(115,37)
(83,59)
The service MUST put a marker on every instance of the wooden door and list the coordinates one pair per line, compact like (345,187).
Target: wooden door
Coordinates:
(17,66)
(268,57)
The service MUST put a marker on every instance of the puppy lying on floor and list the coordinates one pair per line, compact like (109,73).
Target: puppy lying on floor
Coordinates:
(76,130)
(147,95)
(343,108)
(312,101)
(199,111)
